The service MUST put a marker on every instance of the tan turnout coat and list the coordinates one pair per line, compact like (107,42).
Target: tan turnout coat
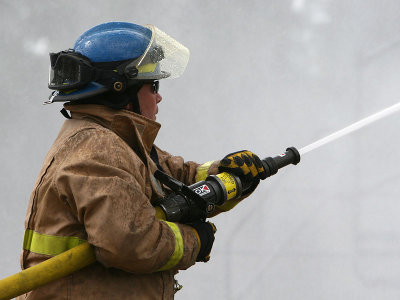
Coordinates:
(97,184)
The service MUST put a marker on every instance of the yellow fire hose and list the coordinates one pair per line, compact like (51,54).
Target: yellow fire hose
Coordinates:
(54,268)
(51,269)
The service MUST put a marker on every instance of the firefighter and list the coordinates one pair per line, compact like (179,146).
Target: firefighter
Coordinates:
(97,182)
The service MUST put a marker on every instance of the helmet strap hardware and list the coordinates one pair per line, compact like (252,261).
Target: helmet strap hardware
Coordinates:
(118,86)
(131,72)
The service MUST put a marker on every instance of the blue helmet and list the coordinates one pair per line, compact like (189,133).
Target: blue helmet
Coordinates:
(113,56)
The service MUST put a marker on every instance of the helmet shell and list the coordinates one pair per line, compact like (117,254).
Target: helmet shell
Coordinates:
(114,41)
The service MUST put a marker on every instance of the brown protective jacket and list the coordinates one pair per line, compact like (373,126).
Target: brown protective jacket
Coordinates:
(97,184)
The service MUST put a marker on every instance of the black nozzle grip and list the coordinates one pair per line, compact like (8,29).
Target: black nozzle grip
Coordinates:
(272,165)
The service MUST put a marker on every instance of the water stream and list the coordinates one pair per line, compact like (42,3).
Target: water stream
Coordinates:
(351,128)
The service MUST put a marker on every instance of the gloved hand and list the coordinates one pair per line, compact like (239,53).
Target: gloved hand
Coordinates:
(244,164)
(205,234)
(248,167)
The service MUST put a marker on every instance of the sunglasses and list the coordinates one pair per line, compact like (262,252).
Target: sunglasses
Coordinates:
(155,85)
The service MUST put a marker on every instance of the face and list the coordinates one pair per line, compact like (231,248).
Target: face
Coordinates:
(148,100)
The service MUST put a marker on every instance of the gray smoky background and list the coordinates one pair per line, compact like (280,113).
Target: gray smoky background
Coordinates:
(263,76)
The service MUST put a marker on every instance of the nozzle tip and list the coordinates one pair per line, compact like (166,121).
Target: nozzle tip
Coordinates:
(296,155)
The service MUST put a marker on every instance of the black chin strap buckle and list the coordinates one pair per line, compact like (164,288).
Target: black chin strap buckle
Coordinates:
(65,113)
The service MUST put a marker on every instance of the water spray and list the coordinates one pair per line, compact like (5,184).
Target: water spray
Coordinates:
(292,155)
(351,128)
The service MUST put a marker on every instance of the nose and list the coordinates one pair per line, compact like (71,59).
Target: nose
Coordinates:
(158,98)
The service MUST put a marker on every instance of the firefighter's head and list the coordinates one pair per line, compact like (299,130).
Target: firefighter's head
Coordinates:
(110,63)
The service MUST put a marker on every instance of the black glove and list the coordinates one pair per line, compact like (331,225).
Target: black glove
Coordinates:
(205,234)
(246,165)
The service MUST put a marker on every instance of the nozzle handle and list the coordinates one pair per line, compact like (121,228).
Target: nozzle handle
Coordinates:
(272,165)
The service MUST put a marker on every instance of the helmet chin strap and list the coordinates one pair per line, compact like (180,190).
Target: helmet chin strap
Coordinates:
(116,100)
(136,105)
(133,98)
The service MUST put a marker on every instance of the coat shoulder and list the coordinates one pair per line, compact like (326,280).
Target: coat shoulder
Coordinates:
(85,140)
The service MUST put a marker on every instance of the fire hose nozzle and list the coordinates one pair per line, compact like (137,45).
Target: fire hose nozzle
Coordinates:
(273,164)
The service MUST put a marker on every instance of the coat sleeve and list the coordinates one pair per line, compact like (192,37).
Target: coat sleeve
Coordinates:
(187,172)
(109,199)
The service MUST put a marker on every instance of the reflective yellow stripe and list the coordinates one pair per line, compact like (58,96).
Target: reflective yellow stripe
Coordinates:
(148,68)
(202,171)
(49,244)
(178,253)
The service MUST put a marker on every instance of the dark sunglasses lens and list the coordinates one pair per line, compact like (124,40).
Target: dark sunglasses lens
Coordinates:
(155,86)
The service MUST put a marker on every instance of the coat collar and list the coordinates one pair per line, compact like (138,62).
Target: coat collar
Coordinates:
(125,123)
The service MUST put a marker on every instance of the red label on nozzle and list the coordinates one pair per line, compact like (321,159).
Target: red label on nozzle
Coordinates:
(202,190)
